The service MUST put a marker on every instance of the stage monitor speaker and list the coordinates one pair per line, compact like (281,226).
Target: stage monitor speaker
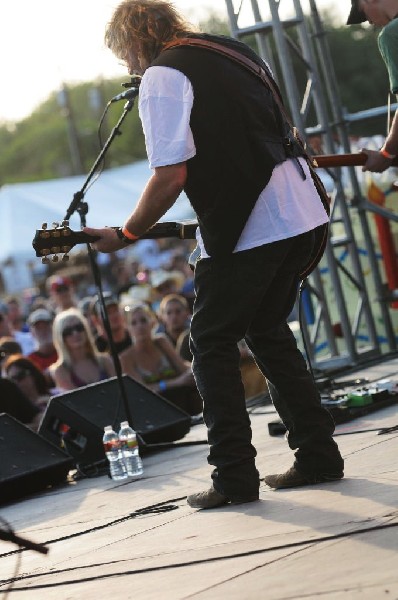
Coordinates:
(28,463)
(77,418)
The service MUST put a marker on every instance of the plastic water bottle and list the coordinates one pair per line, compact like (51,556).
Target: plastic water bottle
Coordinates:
(129,448)
(114,454)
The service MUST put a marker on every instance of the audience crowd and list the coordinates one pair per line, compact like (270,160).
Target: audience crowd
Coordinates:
(57,339)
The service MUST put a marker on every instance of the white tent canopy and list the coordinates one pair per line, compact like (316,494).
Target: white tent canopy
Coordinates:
(24,207)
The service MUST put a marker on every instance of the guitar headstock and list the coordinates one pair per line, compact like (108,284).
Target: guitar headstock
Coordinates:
(56,241)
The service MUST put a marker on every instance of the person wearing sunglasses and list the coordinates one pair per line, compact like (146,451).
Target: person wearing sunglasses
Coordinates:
(79,362)
(153,360)
(8,347)
(61,292)
(31,382)
(14,402)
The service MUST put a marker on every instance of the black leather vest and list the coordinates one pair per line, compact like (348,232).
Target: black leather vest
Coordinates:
(238,132)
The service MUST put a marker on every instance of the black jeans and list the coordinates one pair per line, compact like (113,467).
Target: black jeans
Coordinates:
(250,295)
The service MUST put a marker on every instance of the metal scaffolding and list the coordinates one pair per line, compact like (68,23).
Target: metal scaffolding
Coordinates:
(340,319)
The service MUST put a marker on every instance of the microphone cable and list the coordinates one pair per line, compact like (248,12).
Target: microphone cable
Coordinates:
(302,286)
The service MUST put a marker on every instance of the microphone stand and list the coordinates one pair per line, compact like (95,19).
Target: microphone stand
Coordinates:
(10,536)
(77,205)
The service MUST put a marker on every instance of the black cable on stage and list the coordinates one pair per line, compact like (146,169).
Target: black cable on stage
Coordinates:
(380,431)
(302,285)
(9,535)
(161,507)
(15,577)
(298,544)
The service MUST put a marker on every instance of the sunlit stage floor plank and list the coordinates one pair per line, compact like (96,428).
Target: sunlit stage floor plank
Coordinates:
(141,540)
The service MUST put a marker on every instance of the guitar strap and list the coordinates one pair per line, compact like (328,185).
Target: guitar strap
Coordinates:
(321,232)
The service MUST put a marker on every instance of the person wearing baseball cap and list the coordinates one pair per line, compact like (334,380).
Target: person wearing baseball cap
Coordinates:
(61,292)
(120,334)
(356,15)
(384,14)
(40,322)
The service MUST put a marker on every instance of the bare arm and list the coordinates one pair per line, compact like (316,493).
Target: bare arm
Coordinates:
(160,193)
(62,378)
(168,349)
(127,363)
(107,365)
(378,163)
(185,376)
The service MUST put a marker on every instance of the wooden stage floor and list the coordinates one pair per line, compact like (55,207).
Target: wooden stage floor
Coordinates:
(140,539)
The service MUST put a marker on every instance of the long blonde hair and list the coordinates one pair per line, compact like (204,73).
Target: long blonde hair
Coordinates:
(152,23)
(60,323)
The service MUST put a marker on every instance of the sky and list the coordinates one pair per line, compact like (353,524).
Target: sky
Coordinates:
(47,42)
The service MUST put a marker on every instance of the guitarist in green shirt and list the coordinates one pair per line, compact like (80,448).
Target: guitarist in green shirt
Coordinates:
(384,14)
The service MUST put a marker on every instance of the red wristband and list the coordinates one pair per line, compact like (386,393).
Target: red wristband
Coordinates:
(386,154)
(129,235)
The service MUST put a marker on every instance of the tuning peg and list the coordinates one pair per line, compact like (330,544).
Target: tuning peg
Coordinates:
(55,258)
(55,224)
(65,258)
(45,260)
(44,226)
(65,223)
(56,232)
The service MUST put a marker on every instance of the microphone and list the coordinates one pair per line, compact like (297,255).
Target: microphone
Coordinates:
(135,80)
(127,95)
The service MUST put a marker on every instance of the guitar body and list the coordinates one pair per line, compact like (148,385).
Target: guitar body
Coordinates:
(321,232)
(321,236)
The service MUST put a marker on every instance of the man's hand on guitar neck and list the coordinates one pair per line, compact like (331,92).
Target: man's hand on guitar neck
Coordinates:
(379,161)
(160,193)
(376,161)
(109,240)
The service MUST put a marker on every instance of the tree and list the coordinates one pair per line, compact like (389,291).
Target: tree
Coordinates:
(360,73)
(39,146)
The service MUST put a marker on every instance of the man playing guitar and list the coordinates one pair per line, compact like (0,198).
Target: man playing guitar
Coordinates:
(214,129)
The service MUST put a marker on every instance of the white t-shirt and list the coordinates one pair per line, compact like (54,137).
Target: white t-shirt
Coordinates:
(288,205)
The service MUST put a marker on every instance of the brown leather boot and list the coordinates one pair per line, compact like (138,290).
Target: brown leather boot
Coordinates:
(293,478)
(211,499)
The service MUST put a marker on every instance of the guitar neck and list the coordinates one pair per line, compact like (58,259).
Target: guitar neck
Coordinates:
(344,160)
(62,239)
(184,230)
